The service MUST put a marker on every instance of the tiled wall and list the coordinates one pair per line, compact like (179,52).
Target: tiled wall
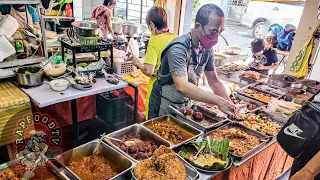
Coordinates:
(89,6)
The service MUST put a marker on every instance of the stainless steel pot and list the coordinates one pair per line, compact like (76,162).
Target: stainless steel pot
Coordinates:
(86,28)
(117,27)
(284,81)
(35,78)
(131,29)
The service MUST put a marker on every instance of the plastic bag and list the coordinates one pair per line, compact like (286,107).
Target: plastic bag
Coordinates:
(133,47)
(6,48)
(303,71)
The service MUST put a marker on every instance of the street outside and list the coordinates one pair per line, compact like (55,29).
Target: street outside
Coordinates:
(238,36)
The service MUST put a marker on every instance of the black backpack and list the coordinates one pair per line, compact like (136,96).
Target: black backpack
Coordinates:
(300,136)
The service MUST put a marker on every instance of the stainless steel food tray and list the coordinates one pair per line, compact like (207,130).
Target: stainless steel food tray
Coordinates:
(230,162)
(269,116)
(209,115)
(57,172)
(192,173)
(268,92)
(182,125)
(240,91)
(259,104)
(136,128)
(123,163)
(237,158)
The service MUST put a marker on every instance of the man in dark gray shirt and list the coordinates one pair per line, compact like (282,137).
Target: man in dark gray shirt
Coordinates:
(184,60)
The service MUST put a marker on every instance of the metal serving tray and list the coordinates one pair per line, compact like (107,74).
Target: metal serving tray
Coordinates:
(237,158)
(230,162)
(259,104)
(192,173)
(240,91)
(59,173)
(252,81)
(123,163)
(136,128)
(194,132)
(207,114)
(268,92)
(269,116)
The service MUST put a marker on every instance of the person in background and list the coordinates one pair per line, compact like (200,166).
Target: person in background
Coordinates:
(265,57)
(157,22)
(24,14)
(103,16)
(182,63)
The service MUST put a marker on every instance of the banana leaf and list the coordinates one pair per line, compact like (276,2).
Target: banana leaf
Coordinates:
(220,148)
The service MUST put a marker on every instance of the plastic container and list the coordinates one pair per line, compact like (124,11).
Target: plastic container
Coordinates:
(111,108)
(123,67)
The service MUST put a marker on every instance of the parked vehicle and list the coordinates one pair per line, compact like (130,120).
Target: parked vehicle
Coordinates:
(260,15)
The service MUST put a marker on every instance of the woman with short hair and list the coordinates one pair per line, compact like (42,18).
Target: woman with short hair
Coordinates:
(103,15)
(157,21)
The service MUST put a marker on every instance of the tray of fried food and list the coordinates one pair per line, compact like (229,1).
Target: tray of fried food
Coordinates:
(164,164)
(256,94)
(82,163)
(260,121)
(172,130)
(243,140)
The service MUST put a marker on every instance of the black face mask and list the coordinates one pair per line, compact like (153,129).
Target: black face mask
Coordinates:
(19,5)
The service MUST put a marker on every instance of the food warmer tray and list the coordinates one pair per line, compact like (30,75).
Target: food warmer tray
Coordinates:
(259,104)
(268,92)
(227,74)
(192,173)
(240,91)
(230,162)
(206,113)
(252,81)
(256,112)
(58,172)
(136,128)
(311,85)
(87,149)
(239,159)
(182,125)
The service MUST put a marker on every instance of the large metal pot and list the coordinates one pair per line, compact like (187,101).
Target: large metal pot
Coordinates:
(131,29)
(117,27)
(31,79)
(86,28)
(284,81)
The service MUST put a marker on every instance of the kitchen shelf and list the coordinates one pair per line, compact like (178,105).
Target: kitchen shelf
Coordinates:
(20,62)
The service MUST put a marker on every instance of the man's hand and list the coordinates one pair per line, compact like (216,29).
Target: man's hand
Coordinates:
(304,174)
(227,107)
(250,64)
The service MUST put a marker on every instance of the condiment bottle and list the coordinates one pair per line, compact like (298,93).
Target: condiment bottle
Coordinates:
(18,44)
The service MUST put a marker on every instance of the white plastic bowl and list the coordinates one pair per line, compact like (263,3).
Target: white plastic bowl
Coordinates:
(59,84)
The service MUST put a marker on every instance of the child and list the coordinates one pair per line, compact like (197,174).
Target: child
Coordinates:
(265,57)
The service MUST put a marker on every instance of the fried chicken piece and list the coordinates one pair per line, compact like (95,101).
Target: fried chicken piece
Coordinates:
(160,151)
(161,160)
(175,169)
(142,167)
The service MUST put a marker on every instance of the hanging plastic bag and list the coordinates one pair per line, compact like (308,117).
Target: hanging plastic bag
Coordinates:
(133,47)
(6,48)
(303,71)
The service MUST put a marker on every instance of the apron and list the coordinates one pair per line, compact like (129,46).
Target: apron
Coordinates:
(169,96)
(23,18)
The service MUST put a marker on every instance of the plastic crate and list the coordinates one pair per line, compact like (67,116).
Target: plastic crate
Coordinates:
(112,110)
(130,114)
(123,67)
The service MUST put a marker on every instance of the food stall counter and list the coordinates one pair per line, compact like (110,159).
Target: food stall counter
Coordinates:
(44,96)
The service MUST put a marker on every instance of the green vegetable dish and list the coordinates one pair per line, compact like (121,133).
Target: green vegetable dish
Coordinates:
(214,160)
